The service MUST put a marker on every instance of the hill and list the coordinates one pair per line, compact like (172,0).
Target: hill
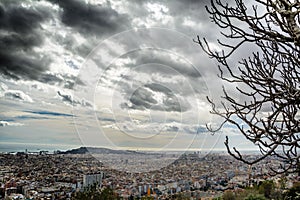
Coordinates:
(98,150)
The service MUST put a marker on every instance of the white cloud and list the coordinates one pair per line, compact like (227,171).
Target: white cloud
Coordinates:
(3,88)
(6,123)
(40,86)
(158,15)
(159,12)
(138,126)
(18,95)
(69,99)
(189,22)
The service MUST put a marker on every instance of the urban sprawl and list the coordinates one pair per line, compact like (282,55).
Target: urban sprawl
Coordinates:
(44,175)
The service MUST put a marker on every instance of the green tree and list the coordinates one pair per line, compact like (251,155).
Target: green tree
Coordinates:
(229,195)
(255,197)
(93,193)
(267,188)
(90,192)
(282,183)
(293,193)
(108,194)
(180,196)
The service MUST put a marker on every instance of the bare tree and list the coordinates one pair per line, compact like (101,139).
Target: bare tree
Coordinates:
(268,78)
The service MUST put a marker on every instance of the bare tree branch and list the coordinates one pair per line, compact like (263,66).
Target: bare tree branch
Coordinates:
(268,80)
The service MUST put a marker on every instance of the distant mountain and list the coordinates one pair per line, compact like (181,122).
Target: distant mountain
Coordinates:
(98,150)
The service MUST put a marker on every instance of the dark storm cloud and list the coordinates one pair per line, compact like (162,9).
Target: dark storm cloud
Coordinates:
(91,19)
(164,63)
(20,32)
(19,19)
(18,35)
(143,98)
(68,81)
(20,66)
(170,102)
(50,78)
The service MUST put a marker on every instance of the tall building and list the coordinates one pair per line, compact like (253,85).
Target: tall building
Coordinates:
(90,179)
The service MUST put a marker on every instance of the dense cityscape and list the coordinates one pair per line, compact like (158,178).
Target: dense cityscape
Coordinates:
(44,175)
(133,81)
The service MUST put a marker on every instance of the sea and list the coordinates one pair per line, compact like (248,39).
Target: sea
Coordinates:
(33,147)
(6,147)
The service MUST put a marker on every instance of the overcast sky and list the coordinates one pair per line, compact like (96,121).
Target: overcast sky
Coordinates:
(108,73)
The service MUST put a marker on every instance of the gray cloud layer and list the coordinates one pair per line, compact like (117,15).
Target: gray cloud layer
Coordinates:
(91,19)
(19,34)
(22,31)
(23,28)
